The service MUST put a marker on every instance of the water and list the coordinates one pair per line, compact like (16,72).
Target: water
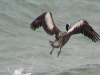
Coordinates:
(22,49)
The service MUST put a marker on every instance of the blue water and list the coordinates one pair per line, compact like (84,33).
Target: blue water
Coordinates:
(20,47)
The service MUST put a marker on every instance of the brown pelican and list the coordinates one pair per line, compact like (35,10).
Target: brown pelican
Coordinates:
(45,20)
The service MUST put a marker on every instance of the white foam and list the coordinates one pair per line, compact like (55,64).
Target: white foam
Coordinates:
(19,71)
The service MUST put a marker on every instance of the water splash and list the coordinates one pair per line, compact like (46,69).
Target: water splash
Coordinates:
(19,71)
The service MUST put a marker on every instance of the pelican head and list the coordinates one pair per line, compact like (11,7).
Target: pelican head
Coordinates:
(68,26)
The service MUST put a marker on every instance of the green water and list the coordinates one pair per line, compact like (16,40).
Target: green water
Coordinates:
(20,47)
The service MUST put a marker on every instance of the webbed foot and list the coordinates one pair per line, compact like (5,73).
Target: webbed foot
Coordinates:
(51,51)
(58,53)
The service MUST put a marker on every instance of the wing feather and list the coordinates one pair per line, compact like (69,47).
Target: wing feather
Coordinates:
(37,22)
(84,28)
(45,20)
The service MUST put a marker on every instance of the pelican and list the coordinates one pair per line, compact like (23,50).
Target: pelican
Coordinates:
(46,21)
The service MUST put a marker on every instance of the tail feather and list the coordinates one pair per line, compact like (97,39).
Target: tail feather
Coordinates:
(51,42)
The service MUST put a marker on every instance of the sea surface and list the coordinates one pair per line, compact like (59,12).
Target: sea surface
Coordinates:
(26,52)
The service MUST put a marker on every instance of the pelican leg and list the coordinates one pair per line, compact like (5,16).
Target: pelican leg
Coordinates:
(59,52)
(52,51)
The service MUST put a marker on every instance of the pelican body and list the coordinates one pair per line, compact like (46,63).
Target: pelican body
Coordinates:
(61,38)
(60,42)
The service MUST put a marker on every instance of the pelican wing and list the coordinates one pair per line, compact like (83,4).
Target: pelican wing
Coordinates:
(46,21)
(83,27)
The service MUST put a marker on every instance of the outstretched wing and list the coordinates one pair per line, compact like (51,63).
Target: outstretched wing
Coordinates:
(46,21)
(83,27)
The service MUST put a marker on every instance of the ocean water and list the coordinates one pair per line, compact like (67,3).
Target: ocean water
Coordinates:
(26,52)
